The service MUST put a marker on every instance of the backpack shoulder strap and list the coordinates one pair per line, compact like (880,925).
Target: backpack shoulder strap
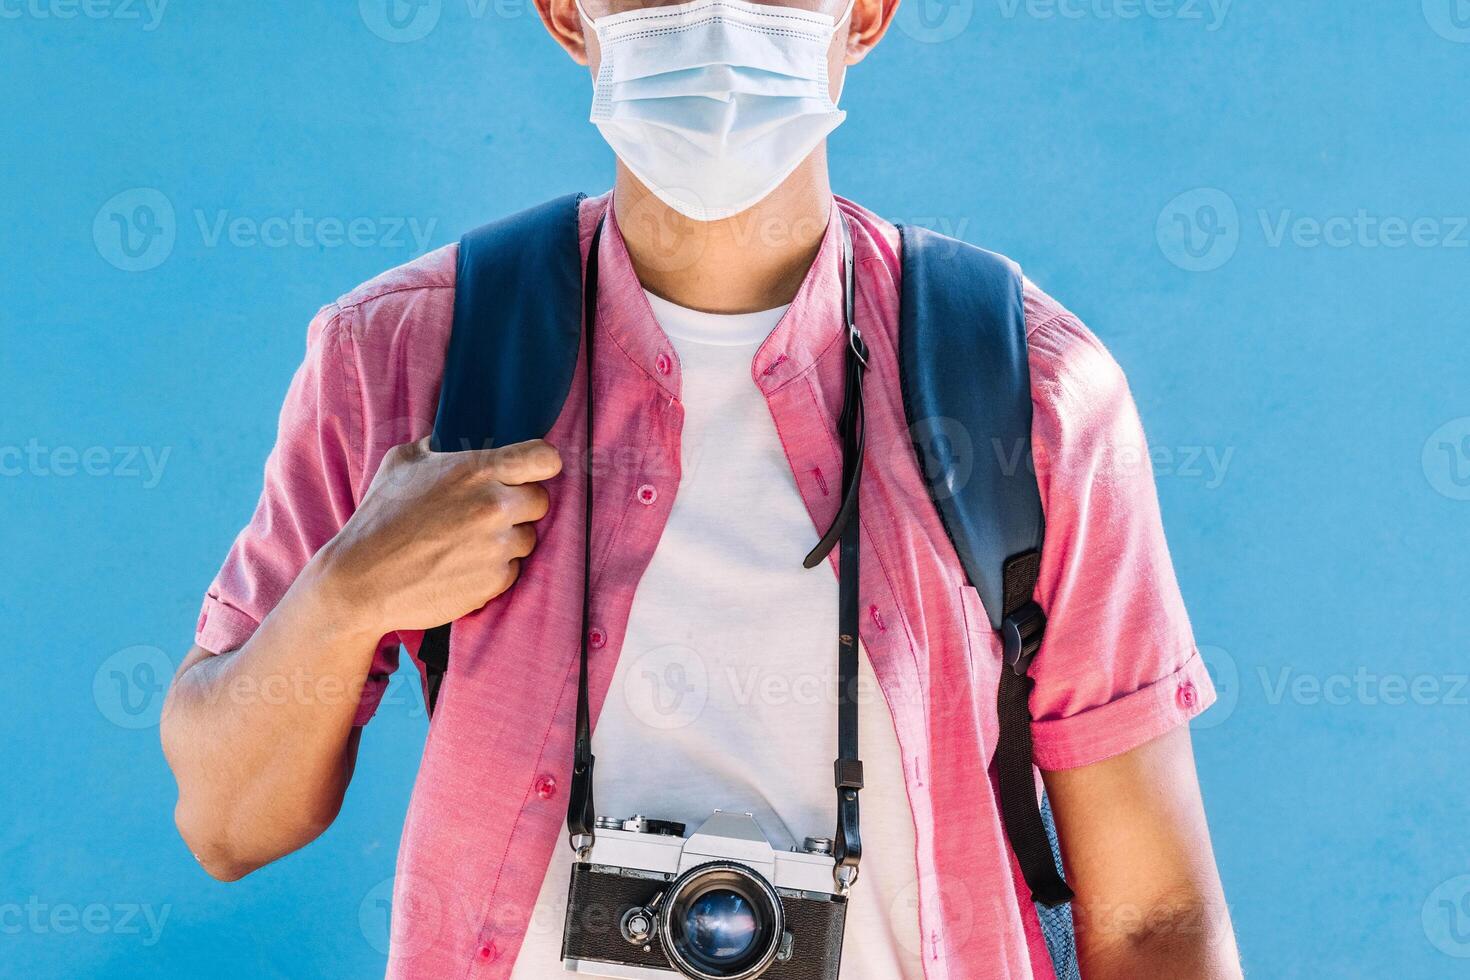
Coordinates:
(517,304)
(967,393)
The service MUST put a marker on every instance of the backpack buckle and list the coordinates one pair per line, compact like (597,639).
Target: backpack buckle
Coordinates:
(1021,632)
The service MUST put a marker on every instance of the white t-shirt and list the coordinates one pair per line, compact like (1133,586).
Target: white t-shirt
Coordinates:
(725,693)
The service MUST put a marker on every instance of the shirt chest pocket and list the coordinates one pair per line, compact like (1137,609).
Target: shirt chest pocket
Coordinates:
(983,654)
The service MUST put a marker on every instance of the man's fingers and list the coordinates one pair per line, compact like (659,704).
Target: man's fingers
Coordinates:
(525,462)
(520,505)
(521,540)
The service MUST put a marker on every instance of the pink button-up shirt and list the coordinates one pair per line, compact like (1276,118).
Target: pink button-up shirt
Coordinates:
(1118,667)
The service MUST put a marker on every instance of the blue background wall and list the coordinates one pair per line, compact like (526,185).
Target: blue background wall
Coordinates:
(1161,173)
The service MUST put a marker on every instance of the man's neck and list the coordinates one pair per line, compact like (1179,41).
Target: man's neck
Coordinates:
(754,261)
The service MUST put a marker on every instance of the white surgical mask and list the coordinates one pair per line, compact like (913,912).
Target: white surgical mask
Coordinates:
(713,104)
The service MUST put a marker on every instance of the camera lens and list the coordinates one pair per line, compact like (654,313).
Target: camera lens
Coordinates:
(721,921)
(720,925)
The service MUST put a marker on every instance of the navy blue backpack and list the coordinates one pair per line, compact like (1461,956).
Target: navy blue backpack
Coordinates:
(962,352)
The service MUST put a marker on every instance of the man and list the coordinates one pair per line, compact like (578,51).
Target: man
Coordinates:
(718,377)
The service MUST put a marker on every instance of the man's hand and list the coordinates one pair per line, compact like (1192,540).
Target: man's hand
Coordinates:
(436,536)
(1137,852)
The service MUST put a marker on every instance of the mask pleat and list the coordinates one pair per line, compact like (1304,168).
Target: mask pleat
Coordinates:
(717,81)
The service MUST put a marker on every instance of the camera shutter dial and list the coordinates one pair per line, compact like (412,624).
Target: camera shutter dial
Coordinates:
(638,925)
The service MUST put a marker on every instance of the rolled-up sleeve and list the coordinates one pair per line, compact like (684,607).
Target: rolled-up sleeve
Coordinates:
(1118,666)
(311,487)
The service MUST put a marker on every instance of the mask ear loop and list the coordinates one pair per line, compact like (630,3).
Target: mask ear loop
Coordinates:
(845,18)
(603,76)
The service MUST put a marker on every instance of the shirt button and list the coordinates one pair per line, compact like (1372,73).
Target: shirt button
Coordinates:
(664,363)
(647,495)
(596,638)
(545,786)
(489,952)
(1187,695)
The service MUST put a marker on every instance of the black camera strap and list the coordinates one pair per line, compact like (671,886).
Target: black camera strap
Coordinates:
(581,814)
(844,534)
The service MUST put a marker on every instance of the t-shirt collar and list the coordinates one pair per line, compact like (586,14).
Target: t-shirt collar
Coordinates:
(812,323)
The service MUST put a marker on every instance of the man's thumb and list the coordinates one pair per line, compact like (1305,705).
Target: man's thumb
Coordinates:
(526,462)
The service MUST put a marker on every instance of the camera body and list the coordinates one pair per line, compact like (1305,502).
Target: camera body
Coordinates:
(648,903)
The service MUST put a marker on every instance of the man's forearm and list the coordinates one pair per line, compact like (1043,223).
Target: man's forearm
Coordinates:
(1136,846)
(261,740)
(1188,940)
